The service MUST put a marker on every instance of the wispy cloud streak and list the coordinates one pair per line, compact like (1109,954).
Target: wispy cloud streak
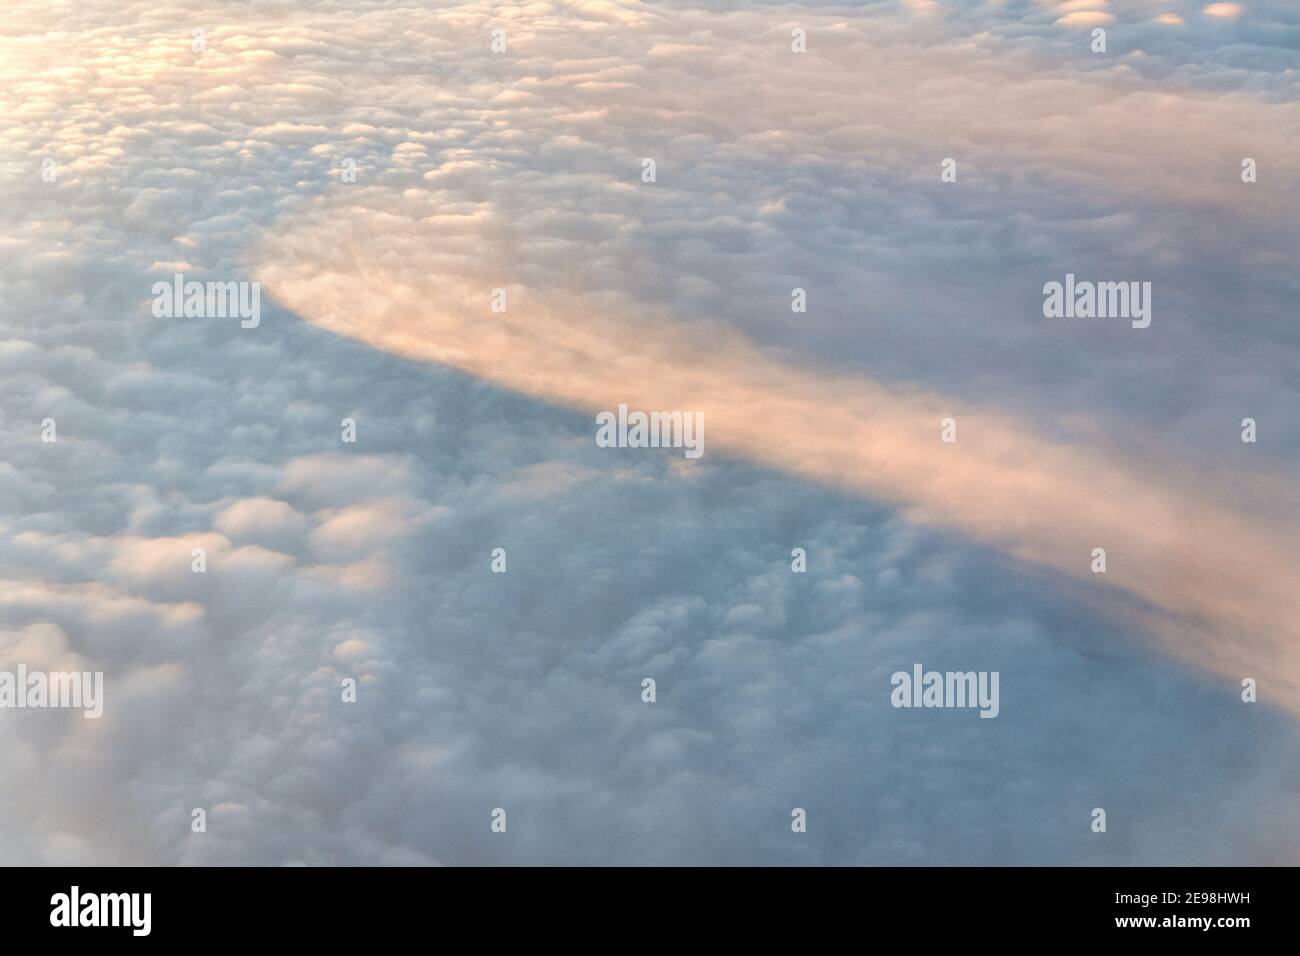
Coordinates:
(1215,583)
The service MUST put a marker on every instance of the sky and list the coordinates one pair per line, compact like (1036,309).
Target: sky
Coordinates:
(134,148)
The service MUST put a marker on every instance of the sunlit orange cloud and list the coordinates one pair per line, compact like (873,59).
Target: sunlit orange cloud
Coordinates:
(1214,585)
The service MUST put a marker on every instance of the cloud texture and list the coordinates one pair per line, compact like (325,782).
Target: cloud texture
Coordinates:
(521,170)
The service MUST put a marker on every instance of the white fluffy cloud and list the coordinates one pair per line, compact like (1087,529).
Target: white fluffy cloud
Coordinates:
(522,690)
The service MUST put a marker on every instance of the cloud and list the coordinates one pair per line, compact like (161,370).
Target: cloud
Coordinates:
(1228,573)
(1226,11)
(521,170)
(264,521)
(1086,18)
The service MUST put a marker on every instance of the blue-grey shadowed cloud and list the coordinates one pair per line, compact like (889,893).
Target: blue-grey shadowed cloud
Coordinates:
(522,690)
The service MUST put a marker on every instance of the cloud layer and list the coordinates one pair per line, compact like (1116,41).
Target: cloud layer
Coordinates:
(521,170)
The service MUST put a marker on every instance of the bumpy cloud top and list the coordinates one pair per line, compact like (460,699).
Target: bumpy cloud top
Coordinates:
(135,148)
